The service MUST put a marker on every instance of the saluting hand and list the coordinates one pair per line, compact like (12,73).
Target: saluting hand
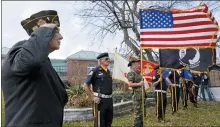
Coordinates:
(50,25)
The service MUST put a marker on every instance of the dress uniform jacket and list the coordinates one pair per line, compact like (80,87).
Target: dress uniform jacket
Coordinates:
(33,92)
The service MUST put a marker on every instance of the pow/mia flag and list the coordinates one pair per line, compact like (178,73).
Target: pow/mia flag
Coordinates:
(194,58)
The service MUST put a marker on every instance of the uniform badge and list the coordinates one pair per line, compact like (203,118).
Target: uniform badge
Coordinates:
(41,22)
(100,73)
(91,73)
(154,77)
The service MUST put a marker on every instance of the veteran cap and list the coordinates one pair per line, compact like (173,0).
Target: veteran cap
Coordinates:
(102,55)
(40,18)
(132,60)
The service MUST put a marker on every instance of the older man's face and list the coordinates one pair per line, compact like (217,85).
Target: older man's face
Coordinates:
(55,42)
(105,61)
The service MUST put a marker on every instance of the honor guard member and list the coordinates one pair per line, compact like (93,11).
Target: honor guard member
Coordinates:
(101,81)
(34,94)
(197,83)
(173,80)
(188,90)
(136,82)
(160,94)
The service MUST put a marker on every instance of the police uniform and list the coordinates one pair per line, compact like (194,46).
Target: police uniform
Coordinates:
(136,77)
(160,97)
(101,80)
(175,91)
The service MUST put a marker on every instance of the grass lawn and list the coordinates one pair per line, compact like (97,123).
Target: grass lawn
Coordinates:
(208,114)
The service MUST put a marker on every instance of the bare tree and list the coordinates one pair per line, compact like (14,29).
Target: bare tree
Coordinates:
(111,17)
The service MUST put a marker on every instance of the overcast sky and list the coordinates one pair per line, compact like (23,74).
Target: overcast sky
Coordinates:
(75,38)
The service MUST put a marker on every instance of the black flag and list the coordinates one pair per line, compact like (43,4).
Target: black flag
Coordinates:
(194,58)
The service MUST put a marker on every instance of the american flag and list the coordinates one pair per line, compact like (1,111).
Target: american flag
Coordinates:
(194,27)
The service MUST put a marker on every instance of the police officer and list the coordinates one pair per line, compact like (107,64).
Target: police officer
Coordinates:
(173,80)
(136,82)
(101,81)
(161,94)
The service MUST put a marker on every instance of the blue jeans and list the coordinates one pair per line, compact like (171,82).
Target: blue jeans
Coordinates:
(203,88)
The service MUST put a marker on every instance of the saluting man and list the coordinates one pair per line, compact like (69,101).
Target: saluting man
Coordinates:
(136,82)
(101,81)
(34,94)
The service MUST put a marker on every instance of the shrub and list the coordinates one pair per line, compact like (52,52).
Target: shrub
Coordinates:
(77,97)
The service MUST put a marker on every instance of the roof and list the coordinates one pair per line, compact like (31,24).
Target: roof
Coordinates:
(87,55)
(59,65)
(58,62)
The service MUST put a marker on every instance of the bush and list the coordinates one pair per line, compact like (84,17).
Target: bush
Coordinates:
(77,97)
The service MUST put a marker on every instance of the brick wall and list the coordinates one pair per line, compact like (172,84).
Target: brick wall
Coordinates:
(214,78)
(77,71)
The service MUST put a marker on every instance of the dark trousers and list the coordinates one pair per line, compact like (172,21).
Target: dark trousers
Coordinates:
(175,96)
(106,112)
(161,104)
(189,92)
(196,92)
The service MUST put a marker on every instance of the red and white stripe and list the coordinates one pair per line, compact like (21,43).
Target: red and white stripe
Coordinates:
(191,28)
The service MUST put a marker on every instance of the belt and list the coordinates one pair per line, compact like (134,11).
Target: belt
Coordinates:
(163,91)
(102,95)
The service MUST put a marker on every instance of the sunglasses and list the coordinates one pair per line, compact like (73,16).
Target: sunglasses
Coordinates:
(106,59)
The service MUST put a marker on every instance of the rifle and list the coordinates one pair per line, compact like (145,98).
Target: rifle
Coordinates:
(96,113)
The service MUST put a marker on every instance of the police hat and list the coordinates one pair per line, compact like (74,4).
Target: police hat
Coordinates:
(40,18)
(132,60)
(102,55)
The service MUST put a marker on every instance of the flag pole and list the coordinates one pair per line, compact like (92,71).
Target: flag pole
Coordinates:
(161,94)
(175,89)
(142,87)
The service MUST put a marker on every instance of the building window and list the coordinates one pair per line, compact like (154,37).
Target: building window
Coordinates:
(61,70)
(91,66)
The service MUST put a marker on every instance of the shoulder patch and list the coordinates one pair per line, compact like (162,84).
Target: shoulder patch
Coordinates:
(91,72)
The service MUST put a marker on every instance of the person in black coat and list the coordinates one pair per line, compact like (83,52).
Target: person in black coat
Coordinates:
(34,94)
(197,83)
